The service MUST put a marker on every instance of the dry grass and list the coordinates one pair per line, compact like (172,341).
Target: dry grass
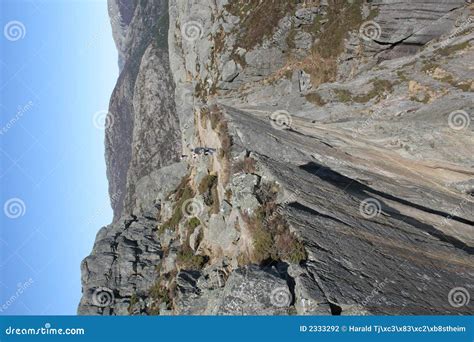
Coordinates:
(208,188)
(453,49)
(246,165)
(342,18)
(315,98)
(188,260)
(183,192)
(272,239)
(258,19)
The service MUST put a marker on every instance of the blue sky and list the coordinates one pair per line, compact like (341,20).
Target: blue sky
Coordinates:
(58,68)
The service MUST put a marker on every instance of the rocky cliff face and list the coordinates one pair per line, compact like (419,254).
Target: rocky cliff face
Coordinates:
(339,175)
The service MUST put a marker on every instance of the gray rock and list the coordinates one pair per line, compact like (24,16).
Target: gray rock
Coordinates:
(303,40)
(254,291)
(304,81)
(122,263)
(243,190)
(220,234)
(194,238)
(153,188)
(230,71)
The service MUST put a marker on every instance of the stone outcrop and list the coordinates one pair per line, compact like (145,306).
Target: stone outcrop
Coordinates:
(342,177)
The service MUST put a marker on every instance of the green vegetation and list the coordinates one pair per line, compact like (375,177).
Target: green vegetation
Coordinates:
(425,99)
(160,294)
(315,98)
(402,76)
(464,86)
(186,259)
(207,183)
(219,124)
(452,49)
(429,66)
(183,193)
(258,19)
(342,18)
(343,95)
(247,165)
(133,301)
(228,195)
(208,188)
(379,87)
(193,223)
(272,239)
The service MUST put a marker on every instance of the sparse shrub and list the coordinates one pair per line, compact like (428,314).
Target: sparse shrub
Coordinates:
(182,194)
(186,259)
(452,49)
(207,183)
(272,238)
(258,19)
(402,76)
(429,66)
(247,165)
(160,294)
(343,95)
(289,247)
(133,301)
(204,115)
(208,188)
(193,223)
(378,88)
(315,98)
(263,245)
(228,195)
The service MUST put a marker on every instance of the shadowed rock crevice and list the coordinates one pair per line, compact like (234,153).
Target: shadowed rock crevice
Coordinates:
(361,191)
